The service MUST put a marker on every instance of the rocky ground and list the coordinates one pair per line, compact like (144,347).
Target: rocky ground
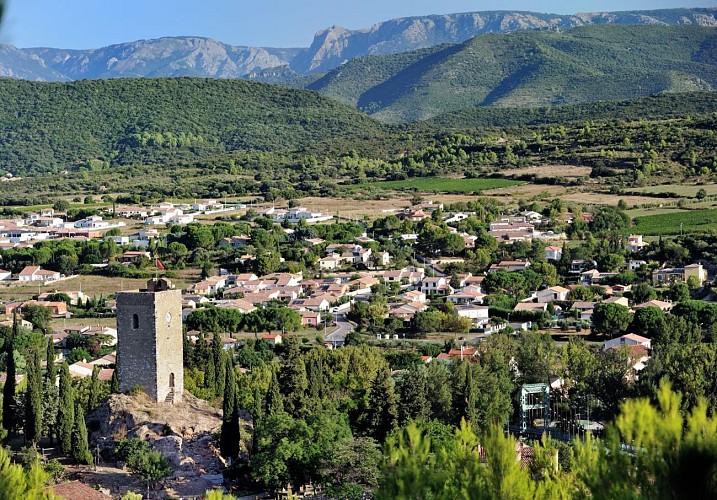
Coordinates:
(183,432)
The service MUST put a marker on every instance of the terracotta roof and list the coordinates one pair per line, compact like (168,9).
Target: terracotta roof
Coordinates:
(75,490)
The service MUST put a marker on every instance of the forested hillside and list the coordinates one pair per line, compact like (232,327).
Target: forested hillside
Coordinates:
(528,69)
(659,106)
(48,127)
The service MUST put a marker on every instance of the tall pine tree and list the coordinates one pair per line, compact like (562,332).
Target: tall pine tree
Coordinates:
(80,443)
(33,398)
(8,393)
(66,410)
(382,411)
(230,434)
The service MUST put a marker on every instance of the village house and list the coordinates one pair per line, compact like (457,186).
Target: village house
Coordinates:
(630,339)
(531,306)
(243,306)
(209,286)
(635,264)
(617,300)
(132,256)
(635,243)
(36,273)
(235,242)
(668,275)
(406,311)
(477,314)
(553,252)
(47,222)
(594,277)
(313,303)
(310,318)
(92,222)
(413,296)
(405,275)
(5,275)
(552,293)
(511,229)
(76,297)
(509,265)
(129,212)
(272,338)
(467,295)
(662,305)
(436,286)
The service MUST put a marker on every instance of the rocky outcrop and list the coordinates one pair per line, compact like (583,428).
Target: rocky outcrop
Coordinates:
(182,432)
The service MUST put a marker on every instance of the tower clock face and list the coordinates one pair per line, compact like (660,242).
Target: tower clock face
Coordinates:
(168,317)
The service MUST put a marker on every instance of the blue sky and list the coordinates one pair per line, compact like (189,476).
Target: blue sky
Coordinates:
(269,23)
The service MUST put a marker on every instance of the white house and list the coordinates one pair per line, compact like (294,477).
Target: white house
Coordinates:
(36,273)
(634,264)
(435,285)
(553,252)
(553,293)
(5,275)
(478,314)
(628,340)
(635,243)
(92,222)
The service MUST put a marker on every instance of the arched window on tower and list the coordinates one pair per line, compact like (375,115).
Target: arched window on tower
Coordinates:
(135,321)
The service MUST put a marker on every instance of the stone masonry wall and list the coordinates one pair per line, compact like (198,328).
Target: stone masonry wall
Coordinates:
(149,354)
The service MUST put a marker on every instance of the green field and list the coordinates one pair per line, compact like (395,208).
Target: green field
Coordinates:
(693,221)
(687,190)
(442,185)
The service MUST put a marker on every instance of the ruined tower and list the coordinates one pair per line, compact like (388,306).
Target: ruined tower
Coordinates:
(149,341)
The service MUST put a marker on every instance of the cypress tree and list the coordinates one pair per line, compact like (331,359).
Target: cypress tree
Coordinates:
(49,406)
(51,368)
(210,375)
(8,393)
(413,403)
(114,384)
(187,351)
(65,410)
(218,356)
(230,434)
(382,415)
(33,398)
(93,400)
(258,409)
(295,383)
(80,444)
(274,402)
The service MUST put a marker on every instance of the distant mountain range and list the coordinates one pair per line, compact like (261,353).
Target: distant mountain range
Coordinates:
(202,57)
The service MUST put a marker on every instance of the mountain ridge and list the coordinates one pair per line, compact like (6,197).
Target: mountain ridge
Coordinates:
(528,69)
(330,48)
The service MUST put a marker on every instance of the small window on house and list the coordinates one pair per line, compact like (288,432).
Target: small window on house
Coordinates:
(135,321)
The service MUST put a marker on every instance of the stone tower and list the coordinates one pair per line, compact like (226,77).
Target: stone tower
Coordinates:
(149,341)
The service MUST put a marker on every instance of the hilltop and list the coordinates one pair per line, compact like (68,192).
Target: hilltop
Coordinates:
(529,69)
(48,127)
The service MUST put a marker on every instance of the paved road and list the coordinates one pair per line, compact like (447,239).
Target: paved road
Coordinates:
(338,336)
